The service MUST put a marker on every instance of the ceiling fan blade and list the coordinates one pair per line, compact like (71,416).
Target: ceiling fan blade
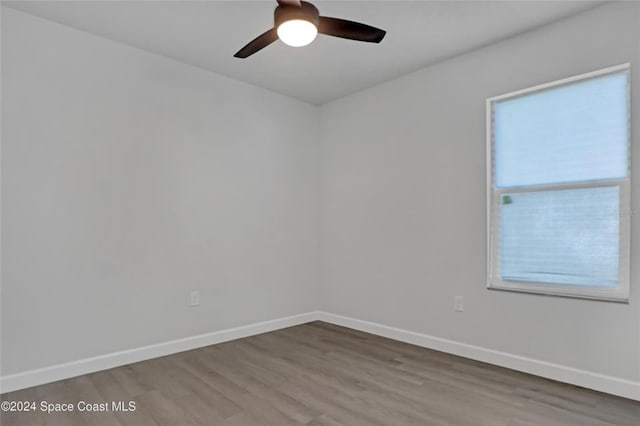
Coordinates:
(349,29)
(258,43)
(289,3)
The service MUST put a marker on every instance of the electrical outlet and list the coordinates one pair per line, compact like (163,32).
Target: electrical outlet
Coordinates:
(195,298)
(458,303)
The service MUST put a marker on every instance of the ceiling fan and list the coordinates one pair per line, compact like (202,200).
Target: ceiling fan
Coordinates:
(298,22)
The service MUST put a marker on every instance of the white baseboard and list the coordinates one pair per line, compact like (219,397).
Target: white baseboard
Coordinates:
(600,382)
(91,365)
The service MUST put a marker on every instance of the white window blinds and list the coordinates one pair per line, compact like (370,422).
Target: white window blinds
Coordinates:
(559,187)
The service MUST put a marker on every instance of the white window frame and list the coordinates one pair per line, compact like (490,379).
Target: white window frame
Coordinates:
(494,280)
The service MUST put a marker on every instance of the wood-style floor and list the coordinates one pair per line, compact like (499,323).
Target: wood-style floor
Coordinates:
(320,374)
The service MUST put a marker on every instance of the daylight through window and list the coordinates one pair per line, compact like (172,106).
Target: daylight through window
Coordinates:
(558,187)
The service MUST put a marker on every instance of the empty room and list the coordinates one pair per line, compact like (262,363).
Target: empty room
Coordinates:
(326,213)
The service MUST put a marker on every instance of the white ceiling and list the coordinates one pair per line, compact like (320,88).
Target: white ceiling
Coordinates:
(207,34)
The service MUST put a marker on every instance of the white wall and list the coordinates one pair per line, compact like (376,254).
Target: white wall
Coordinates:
(404,202)
(129,179)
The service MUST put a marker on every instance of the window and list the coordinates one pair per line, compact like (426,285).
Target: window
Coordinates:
(559,187)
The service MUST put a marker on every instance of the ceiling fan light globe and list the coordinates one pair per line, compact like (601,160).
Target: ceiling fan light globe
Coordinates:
(297,32)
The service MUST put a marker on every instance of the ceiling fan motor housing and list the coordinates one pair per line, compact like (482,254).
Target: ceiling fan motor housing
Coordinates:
(306,11)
